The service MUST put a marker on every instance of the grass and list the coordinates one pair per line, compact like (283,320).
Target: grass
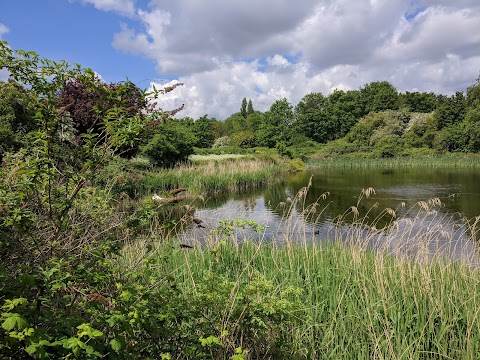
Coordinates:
(337,300)
(214,177)
(449,160)
(217,157)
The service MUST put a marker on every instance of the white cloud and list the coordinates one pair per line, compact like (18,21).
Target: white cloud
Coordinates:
(264,50)
(124,7)
(3,30)
(3,72)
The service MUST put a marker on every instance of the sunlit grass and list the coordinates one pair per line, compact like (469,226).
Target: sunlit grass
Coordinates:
(214,177)
(367,293)
(448,161)
(220,157)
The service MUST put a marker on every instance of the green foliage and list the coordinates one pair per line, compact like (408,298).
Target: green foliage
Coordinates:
(17,117)
(295,165)
(418,102)
(313,118)
(380,96)
(222,142)
(243,139)
(277,124)
(243,109)
(450,110)
(303,148)
(282,149)
(172,144)
(203,130)
(250,108)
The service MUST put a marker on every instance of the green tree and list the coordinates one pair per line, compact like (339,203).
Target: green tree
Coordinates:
(235,123)
(450,110)
(173,143)
(418,102)
(346,108)
(380,96)
(313,119)
(203,129)
(17,116)
(277,124)
(243,108)
(250,108)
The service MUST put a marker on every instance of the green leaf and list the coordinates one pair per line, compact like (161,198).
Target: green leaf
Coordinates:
(14,320)
(116,345)
(9,323)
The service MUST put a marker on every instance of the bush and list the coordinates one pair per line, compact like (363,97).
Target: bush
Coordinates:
(295,165)
(172,144)
(223,141)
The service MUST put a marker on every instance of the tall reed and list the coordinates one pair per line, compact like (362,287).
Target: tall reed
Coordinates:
(214,177)
(449,161)
(366,293)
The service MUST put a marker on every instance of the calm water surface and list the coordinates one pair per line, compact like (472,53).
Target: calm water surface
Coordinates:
(337,190)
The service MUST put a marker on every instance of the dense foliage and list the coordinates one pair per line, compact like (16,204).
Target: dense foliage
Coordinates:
(374,121)
(68,288)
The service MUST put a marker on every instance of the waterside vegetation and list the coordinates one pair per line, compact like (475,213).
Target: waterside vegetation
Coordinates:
(91,265)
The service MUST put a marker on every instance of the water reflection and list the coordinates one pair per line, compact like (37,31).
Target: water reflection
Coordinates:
(334,208)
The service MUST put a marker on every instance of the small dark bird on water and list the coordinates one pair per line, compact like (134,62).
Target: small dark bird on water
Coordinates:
(174,192)
(200,223)
(186,246)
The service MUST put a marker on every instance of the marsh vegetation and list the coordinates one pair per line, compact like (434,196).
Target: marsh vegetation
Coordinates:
(104,252)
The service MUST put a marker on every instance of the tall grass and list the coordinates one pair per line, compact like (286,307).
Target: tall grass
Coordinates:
(448,160)
(357,301)
(214,177)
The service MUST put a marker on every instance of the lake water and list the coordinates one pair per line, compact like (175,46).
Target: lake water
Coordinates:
(334,201)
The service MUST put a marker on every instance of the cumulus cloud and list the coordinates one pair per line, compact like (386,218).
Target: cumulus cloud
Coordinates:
(265,50)
(124,7)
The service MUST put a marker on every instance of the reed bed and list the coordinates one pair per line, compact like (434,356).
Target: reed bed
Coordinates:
(445,161)
(363,293)
(218,157)
(214,177)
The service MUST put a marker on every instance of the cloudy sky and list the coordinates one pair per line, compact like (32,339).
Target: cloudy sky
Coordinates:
(224,50)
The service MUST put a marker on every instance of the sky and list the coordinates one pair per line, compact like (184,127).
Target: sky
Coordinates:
(264,50)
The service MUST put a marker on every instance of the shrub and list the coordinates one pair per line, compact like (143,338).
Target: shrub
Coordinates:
(172,144)
(223,141)
(295,165)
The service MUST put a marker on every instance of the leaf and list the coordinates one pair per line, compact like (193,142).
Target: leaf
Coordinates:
(116,345)
(9,323)
(14,320)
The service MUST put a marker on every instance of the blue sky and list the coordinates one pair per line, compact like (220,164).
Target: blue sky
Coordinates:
(76,32)
(224,50)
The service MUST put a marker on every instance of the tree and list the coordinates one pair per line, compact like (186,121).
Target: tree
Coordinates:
(243,109)
(250,108)
(235,123)
(346,109)
(17,116)
(203,129)
(379,96)
(418,102)
(87,102)
(312,118)
(277,124)
(172,144)
(450,110)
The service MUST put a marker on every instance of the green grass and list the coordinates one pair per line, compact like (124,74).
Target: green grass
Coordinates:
(217,157)
(214,177)
(355,304)
(295,299)
(448,160)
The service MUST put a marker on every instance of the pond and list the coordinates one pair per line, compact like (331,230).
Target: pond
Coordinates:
(340,204)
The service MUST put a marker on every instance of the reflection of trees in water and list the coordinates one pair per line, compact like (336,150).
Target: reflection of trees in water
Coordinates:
(459,190)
